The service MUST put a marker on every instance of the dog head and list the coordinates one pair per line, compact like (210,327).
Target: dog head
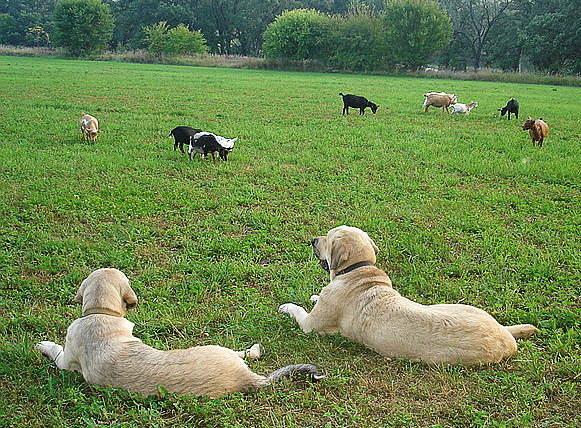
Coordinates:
(342,247)
(106,291)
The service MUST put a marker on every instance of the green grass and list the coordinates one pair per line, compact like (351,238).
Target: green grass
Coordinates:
(463,209)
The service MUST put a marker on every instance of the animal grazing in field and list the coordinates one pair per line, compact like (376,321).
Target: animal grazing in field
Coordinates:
(357,102)
(538,130)
(361,304)
(510,107)
(89,127)
(206,142)
(102,347)
(463,108)
(439,99)
(182,135)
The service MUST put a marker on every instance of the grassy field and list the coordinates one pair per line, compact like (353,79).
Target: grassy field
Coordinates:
(463,209)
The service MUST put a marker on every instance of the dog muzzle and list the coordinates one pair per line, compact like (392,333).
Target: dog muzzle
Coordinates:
(324,265)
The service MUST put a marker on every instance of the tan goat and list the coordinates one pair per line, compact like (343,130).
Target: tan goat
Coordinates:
(89,127)
(439,99)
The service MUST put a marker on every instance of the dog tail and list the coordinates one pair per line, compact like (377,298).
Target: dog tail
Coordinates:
(312,371)
(521,331)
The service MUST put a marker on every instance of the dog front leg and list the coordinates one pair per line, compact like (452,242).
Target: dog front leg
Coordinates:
(298,313)
(53,351)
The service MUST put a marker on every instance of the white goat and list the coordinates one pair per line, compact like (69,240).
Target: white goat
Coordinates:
(463,108)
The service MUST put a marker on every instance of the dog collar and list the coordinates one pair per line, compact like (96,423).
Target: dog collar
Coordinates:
(353,267)
(102,311)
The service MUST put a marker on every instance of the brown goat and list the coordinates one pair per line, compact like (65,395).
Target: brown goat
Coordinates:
(538,130)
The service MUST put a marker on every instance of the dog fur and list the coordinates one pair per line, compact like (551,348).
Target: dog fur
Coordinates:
(362,305)
(102,347)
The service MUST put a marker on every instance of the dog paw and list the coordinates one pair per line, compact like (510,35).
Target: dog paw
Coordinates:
(50,349)
(286,308)
(255,351)
(314,298)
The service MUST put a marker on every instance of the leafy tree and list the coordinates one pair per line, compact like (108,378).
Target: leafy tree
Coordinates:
(414,31)
(505,49)
(156,38)
(36,36)
(237,26)
(131,16)
(473,22)
(17,16)
(82,27)
(357,41)
(9,33)
(553,37)
(298,34)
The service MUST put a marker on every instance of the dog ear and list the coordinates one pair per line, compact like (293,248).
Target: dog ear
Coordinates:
(375,248)
(79,296)
(129,298)
(339,253)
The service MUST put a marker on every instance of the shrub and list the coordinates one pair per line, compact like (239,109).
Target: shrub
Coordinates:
(182,41)
(357,42)
(179,40)
(298,34)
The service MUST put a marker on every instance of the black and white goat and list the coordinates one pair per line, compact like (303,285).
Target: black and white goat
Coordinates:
(206,142)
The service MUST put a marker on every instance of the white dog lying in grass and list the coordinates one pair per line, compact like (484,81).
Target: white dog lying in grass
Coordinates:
(361,304)
(102,347)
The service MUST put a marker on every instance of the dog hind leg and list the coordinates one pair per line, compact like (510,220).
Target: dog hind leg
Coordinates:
(521,331)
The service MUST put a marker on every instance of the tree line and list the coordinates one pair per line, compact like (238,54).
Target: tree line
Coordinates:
(511,35)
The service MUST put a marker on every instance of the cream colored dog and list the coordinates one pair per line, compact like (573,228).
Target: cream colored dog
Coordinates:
(361,304)
(102,347)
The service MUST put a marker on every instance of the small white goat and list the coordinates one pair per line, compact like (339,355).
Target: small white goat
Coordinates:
(463,108)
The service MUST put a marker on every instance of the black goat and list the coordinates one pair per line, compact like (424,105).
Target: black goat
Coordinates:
(510,107)
(182,135)
(357,102)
